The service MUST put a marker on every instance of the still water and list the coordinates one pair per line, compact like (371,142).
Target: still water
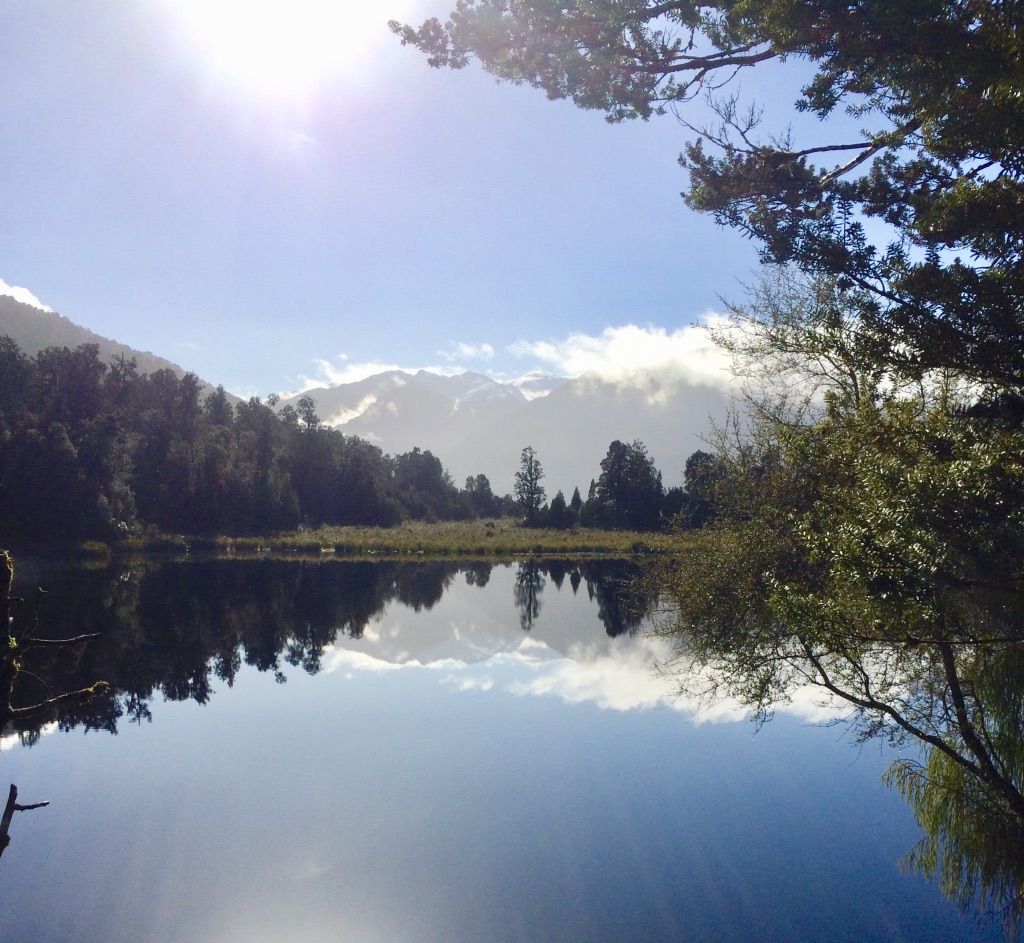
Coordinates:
(364,752)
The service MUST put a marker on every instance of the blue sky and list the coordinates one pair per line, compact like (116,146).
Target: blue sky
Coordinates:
(264,218)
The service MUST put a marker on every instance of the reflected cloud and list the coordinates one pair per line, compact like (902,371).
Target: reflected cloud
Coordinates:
(11,741)
(471,684)
(619,675)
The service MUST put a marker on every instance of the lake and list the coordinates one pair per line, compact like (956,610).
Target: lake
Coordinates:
(331,751)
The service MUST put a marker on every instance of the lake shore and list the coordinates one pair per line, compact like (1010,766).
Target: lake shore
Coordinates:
(476,539)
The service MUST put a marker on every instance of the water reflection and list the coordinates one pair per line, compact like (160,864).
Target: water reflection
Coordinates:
(176,630)
(455,810)
(953,701)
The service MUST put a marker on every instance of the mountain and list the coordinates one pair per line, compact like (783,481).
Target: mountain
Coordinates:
(476,424)
(399,411)
(34,329)
(473,423)
(535,385)
(571,429)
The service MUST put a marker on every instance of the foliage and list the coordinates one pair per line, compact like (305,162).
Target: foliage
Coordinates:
(972,833)
(528,490)
(559,516)
(921,110)
(878,554)
(629,492)
(129,455)
(96,451)
(425,489)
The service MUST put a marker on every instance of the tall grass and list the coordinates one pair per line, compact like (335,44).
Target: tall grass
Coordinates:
(478,539)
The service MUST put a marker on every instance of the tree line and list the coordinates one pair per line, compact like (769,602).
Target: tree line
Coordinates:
(628,494)
(90,450)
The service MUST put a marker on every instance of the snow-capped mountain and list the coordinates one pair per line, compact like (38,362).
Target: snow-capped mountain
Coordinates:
(399,411)
(535,385)
(476,424)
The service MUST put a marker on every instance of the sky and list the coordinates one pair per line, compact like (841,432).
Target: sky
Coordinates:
(277,194)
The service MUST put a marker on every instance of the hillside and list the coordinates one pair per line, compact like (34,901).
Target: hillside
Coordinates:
(34,329)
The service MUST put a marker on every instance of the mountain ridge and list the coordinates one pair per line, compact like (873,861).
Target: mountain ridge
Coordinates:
(34,329)
(476,424)
(473,423)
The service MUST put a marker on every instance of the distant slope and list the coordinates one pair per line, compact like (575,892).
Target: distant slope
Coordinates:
(33,330)
(571,429)
(399,411)
(475,424)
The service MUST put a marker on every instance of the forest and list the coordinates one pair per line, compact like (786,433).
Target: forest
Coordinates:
(96,451)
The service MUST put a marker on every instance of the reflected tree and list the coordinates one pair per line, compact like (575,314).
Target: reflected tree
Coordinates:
(624,598)
(968,800)
(25,697)
(958,698)
(528,587)
(174,631)
(10,808)
(478,574)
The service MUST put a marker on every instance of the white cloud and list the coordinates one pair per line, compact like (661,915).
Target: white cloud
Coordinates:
(347,415)
(471,684)
(462,351)
(349,661)
(636,356)
(619,676)
(334,373)
(619,679)
(23,295)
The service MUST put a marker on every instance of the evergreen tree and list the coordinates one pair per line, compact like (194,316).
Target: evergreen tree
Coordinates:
(528,490)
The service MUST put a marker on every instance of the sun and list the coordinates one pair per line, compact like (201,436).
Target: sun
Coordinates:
(288,45)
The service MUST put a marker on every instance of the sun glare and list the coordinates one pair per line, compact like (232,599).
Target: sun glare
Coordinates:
(288,45)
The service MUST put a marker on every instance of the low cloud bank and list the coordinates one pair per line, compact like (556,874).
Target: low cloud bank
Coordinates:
(634,356)
(619,677)
(651,359)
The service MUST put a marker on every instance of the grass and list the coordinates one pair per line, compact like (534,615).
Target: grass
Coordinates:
(476,539)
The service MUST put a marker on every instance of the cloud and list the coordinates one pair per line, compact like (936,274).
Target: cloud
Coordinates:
(334,373)
(347,415)
(635,356)
(621,675)
(619,679)
(471,684)
(348,661)
(462,351)
(23,295)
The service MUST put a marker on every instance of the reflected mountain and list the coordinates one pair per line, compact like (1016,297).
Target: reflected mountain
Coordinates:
(178,630)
